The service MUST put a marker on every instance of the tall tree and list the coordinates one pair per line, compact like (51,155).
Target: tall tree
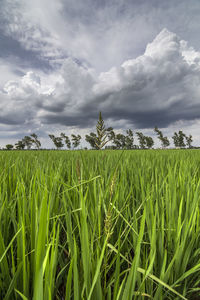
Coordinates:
(57,141)
(179,139)
(164,140)
(76,140)
(145,141)
(129,139)
(149,142)
(189,141)
(27,140)
(119,141)
(175,138)
(158,132)
(142,140)
(66,140)
(122,141)
(20,145)
(35,140)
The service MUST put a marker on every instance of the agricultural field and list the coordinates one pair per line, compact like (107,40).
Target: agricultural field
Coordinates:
(99,225)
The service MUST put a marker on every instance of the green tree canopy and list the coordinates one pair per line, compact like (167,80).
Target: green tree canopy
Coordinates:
(9,147)
(76,140)
(57,141)
(35,140)
(28,141)
(66,140)
(178,139)
(20,145)
(164,140)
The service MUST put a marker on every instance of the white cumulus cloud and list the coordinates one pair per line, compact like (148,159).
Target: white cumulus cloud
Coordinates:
(160,87)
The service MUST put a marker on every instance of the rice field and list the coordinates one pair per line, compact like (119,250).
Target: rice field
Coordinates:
(100,225)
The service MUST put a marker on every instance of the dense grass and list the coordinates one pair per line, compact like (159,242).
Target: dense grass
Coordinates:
(100,225)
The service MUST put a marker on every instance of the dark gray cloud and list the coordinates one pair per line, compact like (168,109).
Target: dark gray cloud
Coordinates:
(100,33)
(160,87)
(61,62)
(12,50)
(125,27)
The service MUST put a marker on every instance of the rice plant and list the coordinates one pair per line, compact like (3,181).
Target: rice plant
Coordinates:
(100,225)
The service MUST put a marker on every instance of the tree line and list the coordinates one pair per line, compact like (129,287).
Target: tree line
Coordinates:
(99,139)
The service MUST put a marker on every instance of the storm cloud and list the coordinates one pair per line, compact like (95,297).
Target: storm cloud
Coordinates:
(61,62)
(160,87)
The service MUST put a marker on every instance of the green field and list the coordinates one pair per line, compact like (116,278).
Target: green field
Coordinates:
(100,225)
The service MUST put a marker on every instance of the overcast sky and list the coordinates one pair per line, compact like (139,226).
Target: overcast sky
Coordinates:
(63,61)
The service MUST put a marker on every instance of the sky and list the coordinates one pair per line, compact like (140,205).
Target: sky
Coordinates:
(63,61)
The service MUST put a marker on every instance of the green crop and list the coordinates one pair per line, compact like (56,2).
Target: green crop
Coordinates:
(100,225)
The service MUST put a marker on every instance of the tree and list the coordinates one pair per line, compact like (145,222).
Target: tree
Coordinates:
(175,137)
(57,141)
(189,141)
(27,140)
(91,138)
(158,132)
(9,147)
(102,136)
(145,141)
(35,140)
(129,139)
(122,141)
(164,140)
(119,141)
(149,142)
(66,140)
(179,139)
(142,140)
(76,140)
(20,145)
